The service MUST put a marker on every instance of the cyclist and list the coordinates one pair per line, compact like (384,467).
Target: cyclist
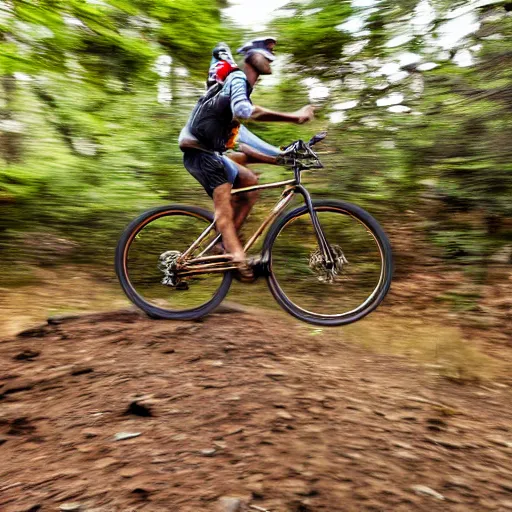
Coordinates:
(244,147)
(214,121)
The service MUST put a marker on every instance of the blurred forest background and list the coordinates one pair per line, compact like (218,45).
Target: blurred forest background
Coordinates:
(416,96)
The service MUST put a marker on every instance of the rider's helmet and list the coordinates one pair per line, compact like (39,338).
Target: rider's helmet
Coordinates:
(263,46)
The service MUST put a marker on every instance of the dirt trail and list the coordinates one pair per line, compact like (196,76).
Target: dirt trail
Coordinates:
(243,406)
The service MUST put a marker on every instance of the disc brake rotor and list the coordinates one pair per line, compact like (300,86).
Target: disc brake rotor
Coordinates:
(318,265)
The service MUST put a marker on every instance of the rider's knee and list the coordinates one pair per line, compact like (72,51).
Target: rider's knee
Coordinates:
(247,179)
(254,180)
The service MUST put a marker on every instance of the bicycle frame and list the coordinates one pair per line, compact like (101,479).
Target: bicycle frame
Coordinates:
(221,263)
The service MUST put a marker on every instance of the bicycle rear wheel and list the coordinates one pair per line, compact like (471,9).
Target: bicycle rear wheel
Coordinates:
(138,264)
(302,285)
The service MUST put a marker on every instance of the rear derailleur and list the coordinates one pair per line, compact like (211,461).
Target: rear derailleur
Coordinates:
(168,264)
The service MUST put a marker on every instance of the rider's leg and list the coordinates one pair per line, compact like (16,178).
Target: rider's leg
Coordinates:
(217,175)
(242,203)
(224,221)
(238,157)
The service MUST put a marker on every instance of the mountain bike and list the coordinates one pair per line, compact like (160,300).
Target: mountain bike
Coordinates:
(327,262)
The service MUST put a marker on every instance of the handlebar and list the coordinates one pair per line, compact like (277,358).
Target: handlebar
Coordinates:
(317,138)
(299,154)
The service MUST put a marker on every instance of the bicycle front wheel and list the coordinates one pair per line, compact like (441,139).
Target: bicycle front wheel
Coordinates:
(299,279)
(142,256)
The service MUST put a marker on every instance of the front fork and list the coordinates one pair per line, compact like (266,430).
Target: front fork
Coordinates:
(319,232)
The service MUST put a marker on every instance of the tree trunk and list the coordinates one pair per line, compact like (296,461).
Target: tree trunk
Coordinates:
(10,138)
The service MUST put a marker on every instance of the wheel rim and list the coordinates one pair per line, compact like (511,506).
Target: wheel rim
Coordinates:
(167,231)
(355,288)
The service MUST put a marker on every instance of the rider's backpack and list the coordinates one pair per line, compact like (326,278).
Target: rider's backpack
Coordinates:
(211,121)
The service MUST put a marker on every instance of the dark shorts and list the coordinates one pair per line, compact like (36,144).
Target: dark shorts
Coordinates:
(210,169)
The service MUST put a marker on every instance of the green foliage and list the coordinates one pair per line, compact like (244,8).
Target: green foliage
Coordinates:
(311,36)
(454,144)
(87,140)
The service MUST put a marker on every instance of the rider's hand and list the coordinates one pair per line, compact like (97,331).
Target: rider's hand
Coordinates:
(305,114)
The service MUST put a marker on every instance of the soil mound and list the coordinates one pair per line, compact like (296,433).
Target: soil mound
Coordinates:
(116,412)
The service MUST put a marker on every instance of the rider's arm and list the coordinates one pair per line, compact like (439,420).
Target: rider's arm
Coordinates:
(255,148)
(252,155)
(243,108)
(241,105)
(301,116)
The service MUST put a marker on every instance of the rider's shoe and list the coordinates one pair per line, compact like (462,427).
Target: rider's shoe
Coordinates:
(244,272)
(254,265)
